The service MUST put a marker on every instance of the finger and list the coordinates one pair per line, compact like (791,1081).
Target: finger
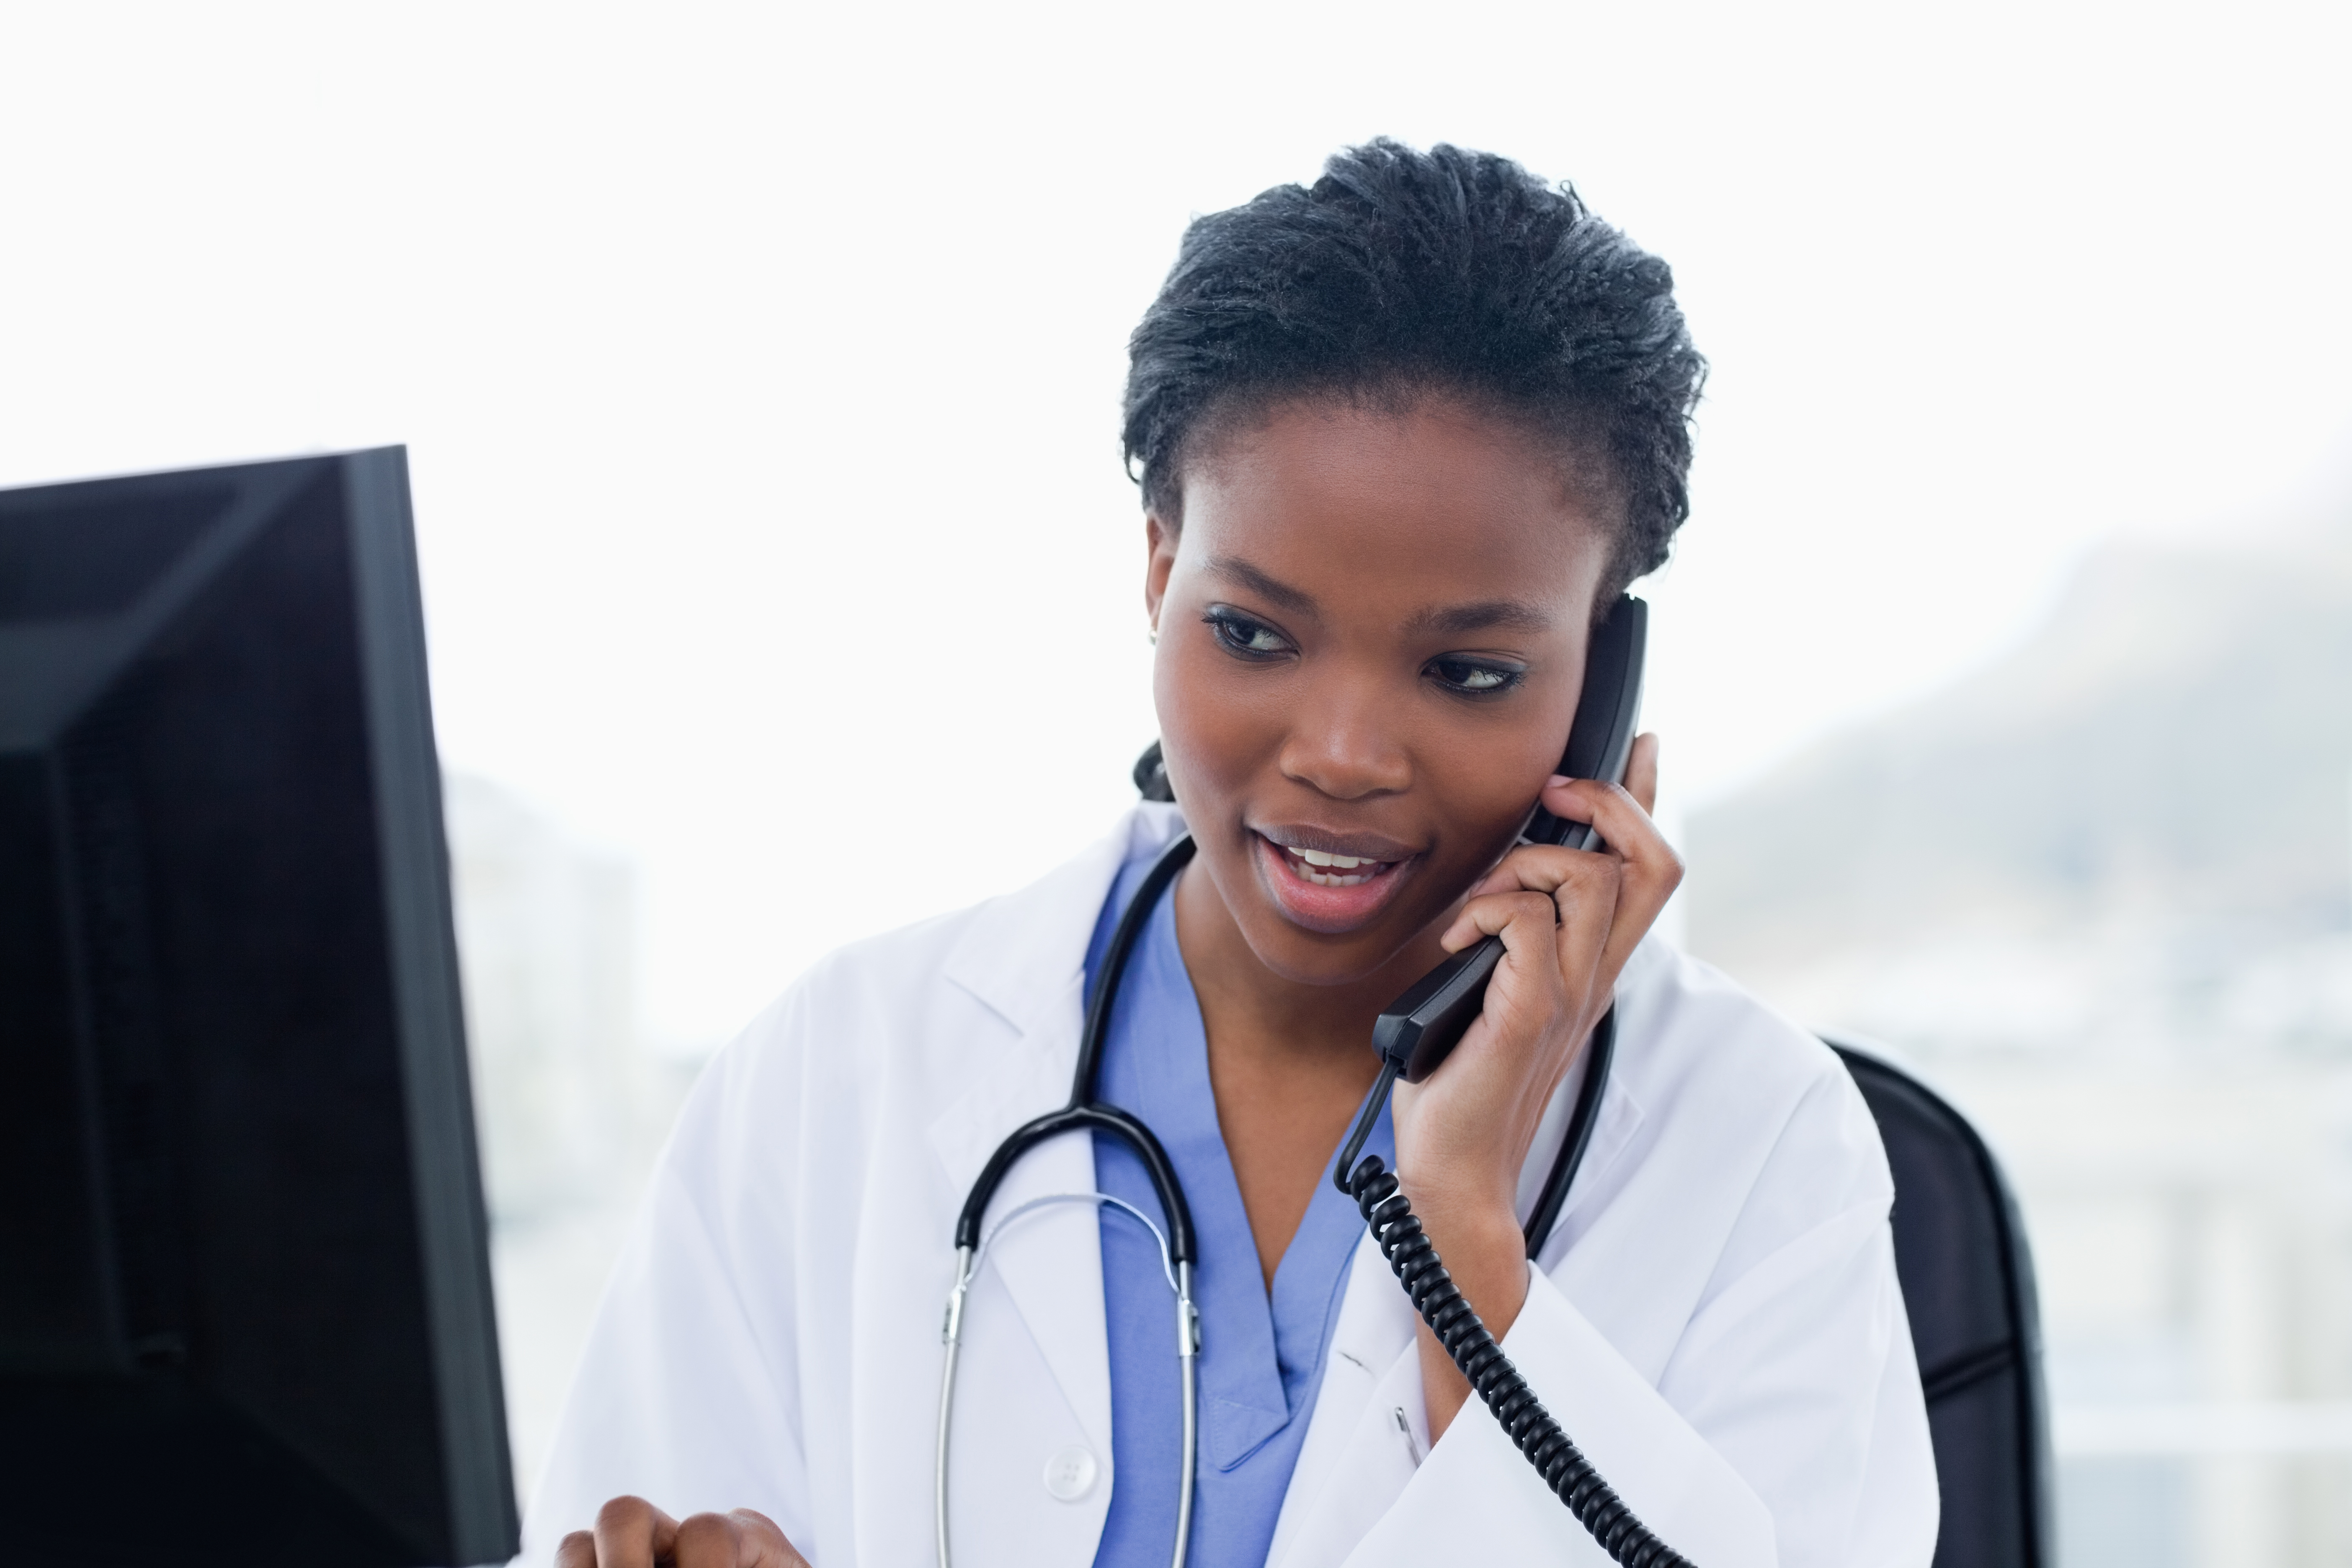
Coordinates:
(1491,914)
(1626,830)
(772,1549)
(633,1533)
(1591,900)
(1642,774)
(1587,890)
(710,1541)
(577,1551)
(1651,868)
(1529,869)
(1648,873)
(739,1538)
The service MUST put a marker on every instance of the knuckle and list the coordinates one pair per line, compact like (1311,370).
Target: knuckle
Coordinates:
(1591,873)
(577,1549)
(760,1528)
(705,1529)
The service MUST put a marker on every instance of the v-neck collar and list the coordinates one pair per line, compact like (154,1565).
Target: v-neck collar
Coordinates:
(1263,1351)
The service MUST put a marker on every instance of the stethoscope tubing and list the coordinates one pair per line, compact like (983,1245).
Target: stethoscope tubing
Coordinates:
(1188,1352)
(1179,1252)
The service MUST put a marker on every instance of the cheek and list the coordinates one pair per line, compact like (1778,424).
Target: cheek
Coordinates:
(1213,729)
(1484,783)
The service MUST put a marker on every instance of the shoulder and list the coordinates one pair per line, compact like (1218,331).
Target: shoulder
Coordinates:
(1743,1100)
(1687,1028)
(1728,1134)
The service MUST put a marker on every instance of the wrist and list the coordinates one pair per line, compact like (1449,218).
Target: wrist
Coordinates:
(1484,1250)
(1467,1195)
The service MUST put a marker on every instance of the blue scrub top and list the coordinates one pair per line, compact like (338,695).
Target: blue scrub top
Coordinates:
(1261,1359)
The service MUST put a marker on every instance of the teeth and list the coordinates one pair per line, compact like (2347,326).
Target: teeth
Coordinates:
(1334,876)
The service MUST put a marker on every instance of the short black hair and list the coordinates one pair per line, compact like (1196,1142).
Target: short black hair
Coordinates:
(1402,273)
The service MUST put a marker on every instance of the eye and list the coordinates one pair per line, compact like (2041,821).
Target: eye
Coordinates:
(1473,676)
(1243,635)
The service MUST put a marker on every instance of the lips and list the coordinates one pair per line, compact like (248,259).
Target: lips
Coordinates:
(1327,882)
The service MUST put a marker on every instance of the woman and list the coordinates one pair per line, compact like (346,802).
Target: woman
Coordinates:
(1402,437)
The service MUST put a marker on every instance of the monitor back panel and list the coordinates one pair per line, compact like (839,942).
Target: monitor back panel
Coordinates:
(245,1307)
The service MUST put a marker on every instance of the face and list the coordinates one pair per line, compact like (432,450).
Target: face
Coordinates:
(1371,634)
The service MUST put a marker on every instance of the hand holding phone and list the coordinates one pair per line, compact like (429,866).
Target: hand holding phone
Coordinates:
(1421,1028)
(1540,943)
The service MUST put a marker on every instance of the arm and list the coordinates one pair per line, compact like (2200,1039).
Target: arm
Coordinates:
(1781,1422)
(1569,921)
(1781,1425)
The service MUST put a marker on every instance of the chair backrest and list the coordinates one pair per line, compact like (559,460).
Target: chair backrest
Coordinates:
(1967,1283)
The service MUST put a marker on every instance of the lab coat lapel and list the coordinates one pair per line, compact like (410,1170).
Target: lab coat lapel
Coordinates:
(1371,1429)
(1358,1456)
(1025,960)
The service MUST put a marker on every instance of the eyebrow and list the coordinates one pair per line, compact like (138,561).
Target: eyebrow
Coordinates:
(1234,569)
(1451,620)
(1510,614)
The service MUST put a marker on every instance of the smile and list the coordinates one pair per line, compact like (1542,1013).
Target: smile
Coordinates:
(1334,870)
(1333,889)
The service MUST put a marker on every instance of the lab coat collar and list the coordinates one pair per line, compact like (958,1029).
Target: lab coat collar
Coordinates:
(1029,948)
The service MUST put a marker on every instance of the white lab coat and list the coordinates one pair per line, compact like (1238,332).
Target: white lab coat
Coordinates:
(1717,1322)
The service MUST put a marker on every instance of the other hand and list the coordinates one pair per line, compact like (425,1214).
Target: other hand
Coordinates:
(631,1532)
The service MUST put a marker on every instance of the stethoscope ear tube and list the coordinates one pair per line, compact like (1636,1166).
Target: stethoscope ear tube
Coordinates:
(1188,1357)
(1108,1119)
(1083,1111)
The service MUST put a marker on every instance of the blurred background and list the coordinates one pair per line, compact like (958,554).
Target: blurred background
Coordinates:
(759,367)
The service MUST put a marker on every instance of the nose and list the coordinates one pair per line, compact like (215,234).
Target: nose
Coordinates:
(1344,741)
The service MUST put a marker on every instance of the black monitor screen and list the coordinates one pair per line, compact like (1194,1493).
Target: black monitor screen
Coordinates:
(245,1299)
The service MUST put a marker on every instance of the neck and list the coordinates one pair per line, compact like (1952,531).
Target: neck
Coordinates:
(1249,1006)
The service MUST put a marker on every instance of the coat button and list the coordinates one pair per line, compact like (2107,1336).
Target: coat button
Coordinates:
(1070,1474)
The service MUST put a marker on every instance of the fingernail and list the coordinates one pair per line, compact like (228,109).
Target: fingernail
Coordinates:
(1558,779)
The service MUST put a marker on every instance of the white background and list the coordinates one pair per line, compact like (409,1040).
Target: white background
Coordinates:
(760,365)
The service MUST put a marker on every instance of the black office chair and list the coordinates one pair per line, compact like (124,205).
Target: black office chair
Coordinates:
(1967,1282)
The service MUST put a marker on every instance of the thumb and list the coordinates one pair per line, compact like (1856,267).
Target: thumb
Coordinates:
(1642,772)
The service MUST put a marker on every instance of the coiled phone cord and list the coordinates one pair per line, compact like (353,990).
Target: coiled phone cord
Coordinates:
(1402,1240)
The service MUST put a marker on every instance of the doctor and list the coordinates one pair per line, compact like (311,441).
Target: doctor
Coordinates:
(1399,434)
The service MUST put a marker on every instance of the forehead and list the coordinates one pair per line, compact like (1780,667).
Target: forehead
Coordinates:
(1402,506)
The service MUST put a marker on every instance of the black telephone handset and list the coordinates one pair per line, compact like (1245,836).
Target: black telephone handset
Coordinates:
(1421,1027)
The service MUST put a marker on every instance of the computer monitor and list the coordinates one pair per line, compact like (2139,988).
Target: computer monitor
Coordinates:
(245,1293)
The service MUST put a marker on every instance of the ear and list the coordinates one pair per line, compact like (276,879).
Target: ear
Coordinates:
(1160,559)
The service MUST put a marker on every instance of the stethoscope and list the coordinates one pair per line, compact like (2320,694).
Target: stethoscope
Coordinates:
(1177,1253)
